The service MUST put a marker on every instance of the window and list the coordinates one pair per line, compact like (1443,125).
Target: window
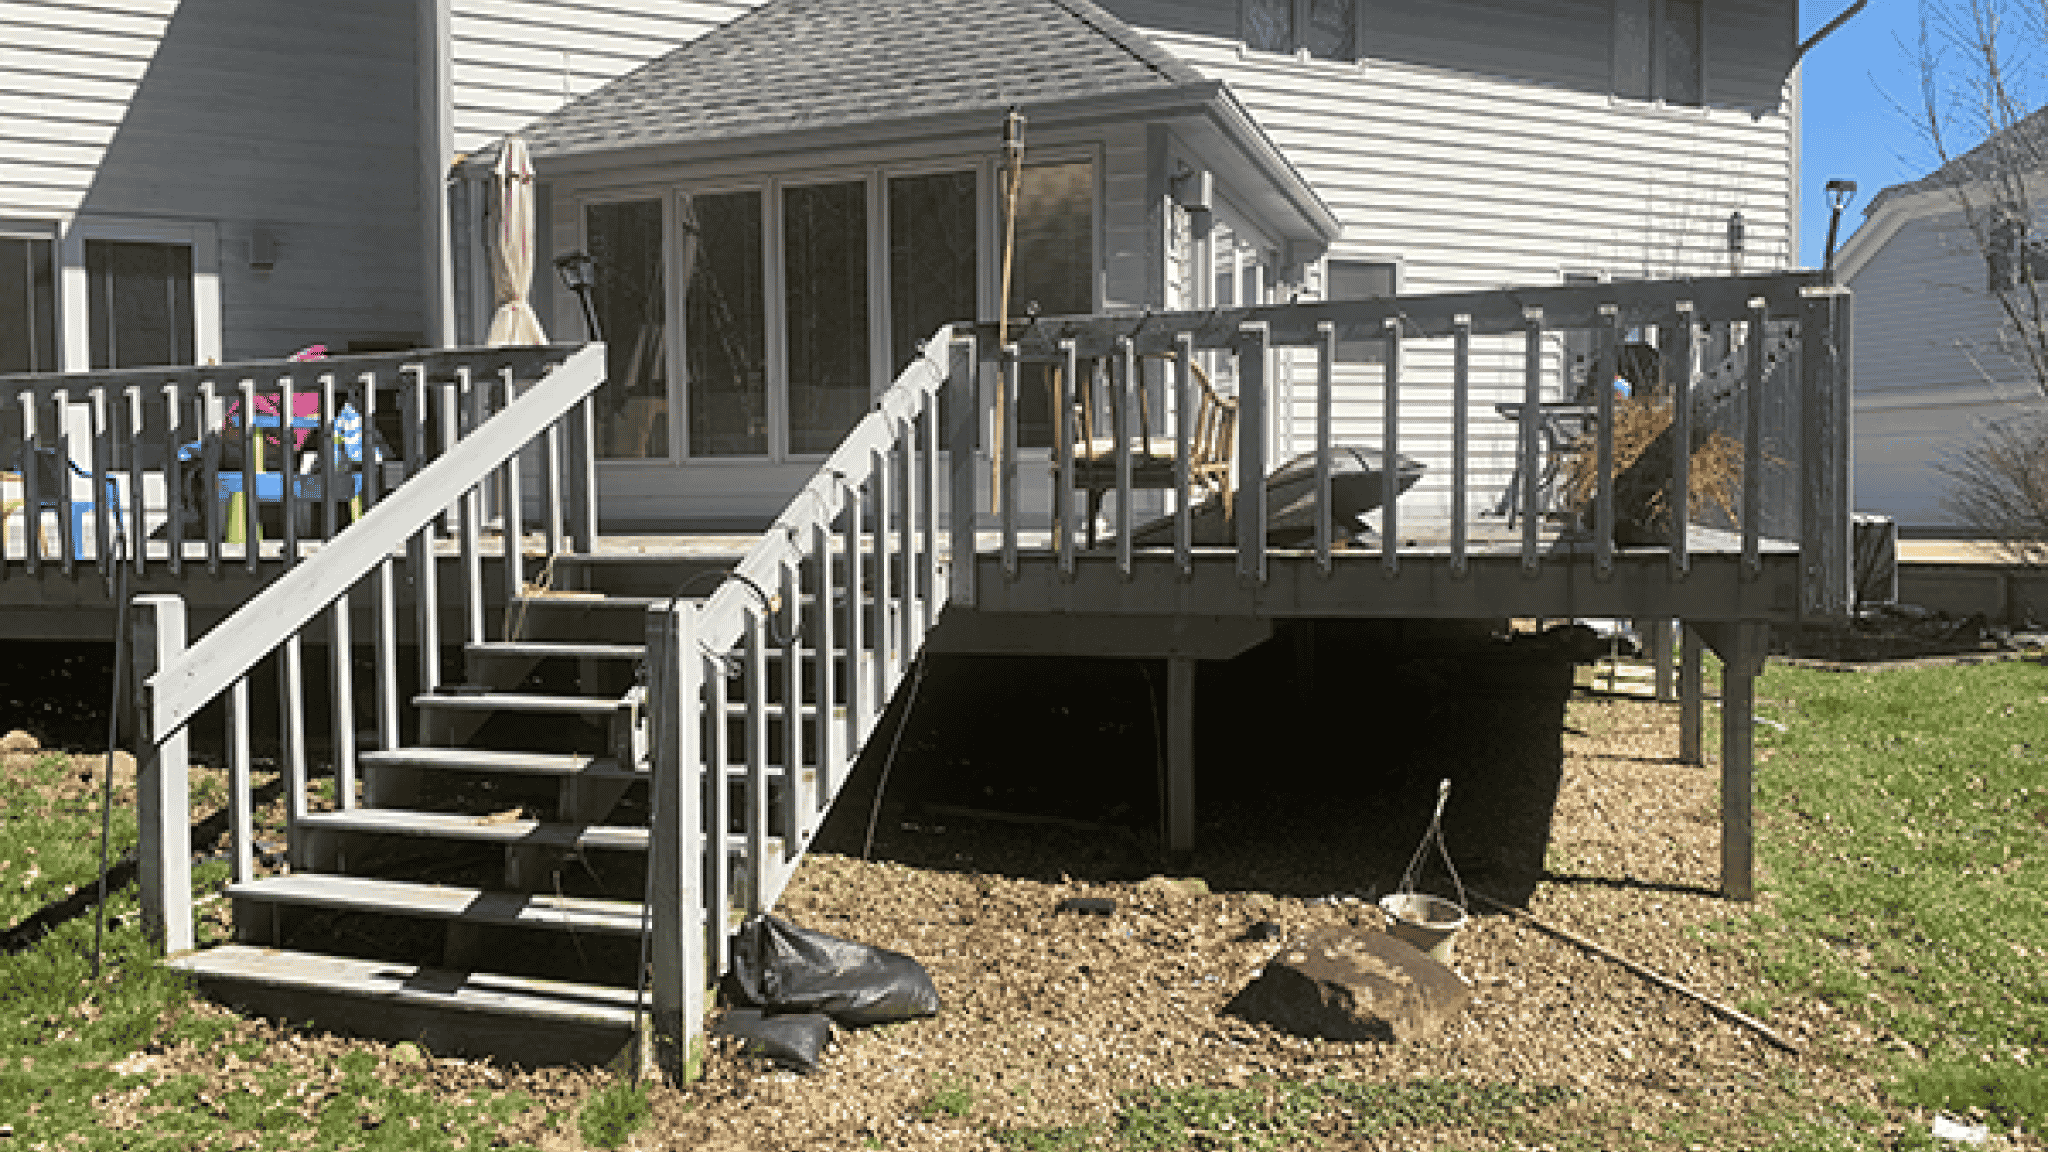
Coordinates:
(626,252)
(932,258)
(1360,280)
(825,310)
(139,299)
(1323,29)
(28,306)
(1054,271)
(725,325)
(1657,51)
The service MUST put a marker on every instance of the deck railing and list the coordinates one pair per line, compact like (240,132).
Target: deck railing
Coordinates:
(539,400)
(170,460)
(764,693)
(1788,412)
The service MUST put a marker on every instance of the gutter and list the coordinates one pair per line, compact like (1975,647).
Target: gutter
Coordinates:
(1828,30)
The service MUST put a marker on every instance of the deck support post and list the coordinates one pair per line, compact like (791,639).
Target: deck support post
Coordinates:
(963,432)
(675,882)
(1179,799)
(1690,708)
(1741,648)
(1658,634)
(163,816)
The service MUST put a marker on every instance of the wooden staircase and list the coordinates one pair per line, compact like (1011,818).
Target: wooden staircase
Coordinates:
(485,895)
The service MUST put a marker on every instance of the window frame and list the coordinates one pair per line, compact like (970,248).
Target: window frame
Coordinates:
(571,230)
(74,304)
(1655,69)
(1298,49)
(51,233)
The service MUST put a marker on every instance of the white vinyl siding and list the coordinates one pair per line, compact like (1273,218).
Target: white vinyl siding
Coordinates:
(514,61)
(1478,144)
(1931,367)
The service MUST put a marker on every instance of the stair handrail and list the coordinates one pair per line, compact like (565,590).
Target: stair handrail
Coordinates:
(196,677)
(722,618)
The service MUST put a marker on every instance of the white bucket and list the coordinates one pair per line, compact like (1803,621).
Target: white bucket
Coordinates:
(1430,923)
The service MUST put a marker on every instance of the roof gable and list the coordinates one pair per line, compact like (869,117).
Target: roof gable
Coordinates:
(806,64)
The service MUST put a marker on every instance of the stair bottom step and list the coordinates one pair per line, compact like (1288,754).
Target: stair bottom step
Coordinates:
(449,1012)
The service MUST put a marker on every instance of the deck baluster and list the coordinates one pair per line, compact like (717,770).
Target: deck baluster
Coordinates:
(856,654)
(964,411)
(928,430)
(138,523)
(1390,451)
(1326,358)
(174,478)
(1753,441)
(103,509)
(1251,451)
(67,534)
(878,575)
(252,524)
(825,658)
(760,880)
(287,472)
(1063,432)
(1010,370)
(420,549)
(1683,366)
(1123,383)
(471,508)
(1186,411)
(239,823)
(1461,439)
(514,528)
(717,769)
(799,808)
(1528,458)
(1603,470)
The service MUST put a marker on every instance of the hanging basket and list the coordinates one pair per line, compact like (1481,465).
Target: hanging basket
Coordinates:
(1430,923)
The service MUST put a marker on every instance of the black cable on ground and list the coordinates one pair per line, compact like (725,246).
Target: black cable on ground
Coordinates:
(882,786)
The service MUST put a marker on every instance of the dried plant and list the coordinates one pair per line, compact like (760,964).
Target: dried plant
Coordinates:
(1998,485)
(1642,472)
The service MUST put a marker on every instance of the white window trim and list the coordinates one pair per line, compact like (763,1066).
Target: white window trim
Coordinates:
(74,309)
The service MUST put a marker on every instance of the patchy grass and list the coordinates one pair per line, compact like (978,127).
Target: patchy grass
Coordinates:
(1904,830)
(612,1114)
(1274,1114)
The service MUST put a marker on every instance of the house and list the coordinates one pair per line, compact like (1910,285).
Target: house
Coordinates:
(200,181)
(1939,359)
(1341,226)
(1178,156)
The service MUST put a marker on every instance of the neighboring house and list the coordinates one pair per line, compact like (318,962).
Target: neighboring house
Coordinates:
(195,180)
(1937,358)
(815,187)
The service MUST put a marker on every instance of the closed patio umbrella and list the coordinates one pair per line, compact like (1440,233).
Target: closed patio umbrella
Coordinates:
(512,250)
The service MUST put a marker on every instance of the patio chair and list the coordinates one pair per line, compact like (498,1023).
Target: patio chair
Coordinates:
(63,485)
(1211,440)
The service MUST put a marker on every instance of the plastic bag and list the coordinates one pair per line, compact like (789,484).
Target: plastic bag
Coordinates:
(791,1039)
(783,968)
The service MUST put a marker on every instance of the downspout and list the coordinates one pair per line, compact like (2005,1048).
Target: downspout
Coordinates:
(1827,30)
(436,153)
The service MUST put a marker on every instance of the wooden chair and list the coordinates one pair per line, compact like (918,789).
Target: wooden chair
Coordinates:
(1210,443)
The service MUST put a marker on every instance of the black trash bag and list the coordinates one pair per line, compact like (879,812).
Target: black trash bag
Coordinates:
(783,968)
(791,1039)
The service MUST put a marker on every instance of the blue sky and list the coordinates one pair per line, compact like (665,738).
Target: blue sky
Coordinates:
(1853,85)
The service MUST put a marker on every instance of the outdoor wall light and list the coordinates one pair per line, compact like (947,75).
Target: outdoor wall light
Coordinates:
(1738,238)
(1840,193)
(579,272)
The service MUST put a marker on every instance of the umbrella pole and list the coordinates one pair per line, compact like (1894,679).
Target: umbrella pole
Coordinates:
(1013,157)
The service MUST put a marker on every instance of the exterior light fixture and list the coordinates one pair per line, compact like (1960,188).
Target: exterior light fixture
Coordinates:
(1840,192)
(1738,237)
(579,272)
(1195,192)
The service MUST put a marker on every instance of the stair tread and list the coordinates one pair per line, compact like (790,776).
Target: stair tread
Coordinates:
(460,826)
(405,898)
(518,702)
(443,988)
(486,760)
(561,648)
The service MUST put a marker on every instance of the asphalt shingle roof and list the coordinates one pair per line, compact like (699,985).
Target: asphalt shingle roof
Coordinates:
(2022,147)
(805,64)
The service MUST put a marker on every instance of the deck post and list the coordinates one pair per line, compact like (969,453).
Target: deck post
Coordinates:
(1658,633)
(676,854)
(1742,657)
(1689,703)
(1825,371)
(163,818)
(963,423)
(1179,800)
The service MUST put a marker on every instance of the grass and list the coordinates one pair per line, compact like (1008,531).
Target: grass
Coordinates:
(66,1040)
(953,1098)
(1271,1114)
(612,1114)
(1904,829)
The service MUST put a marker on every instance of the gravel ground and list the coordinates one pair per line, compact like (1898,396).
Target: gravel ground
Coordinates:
(1051,1019)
